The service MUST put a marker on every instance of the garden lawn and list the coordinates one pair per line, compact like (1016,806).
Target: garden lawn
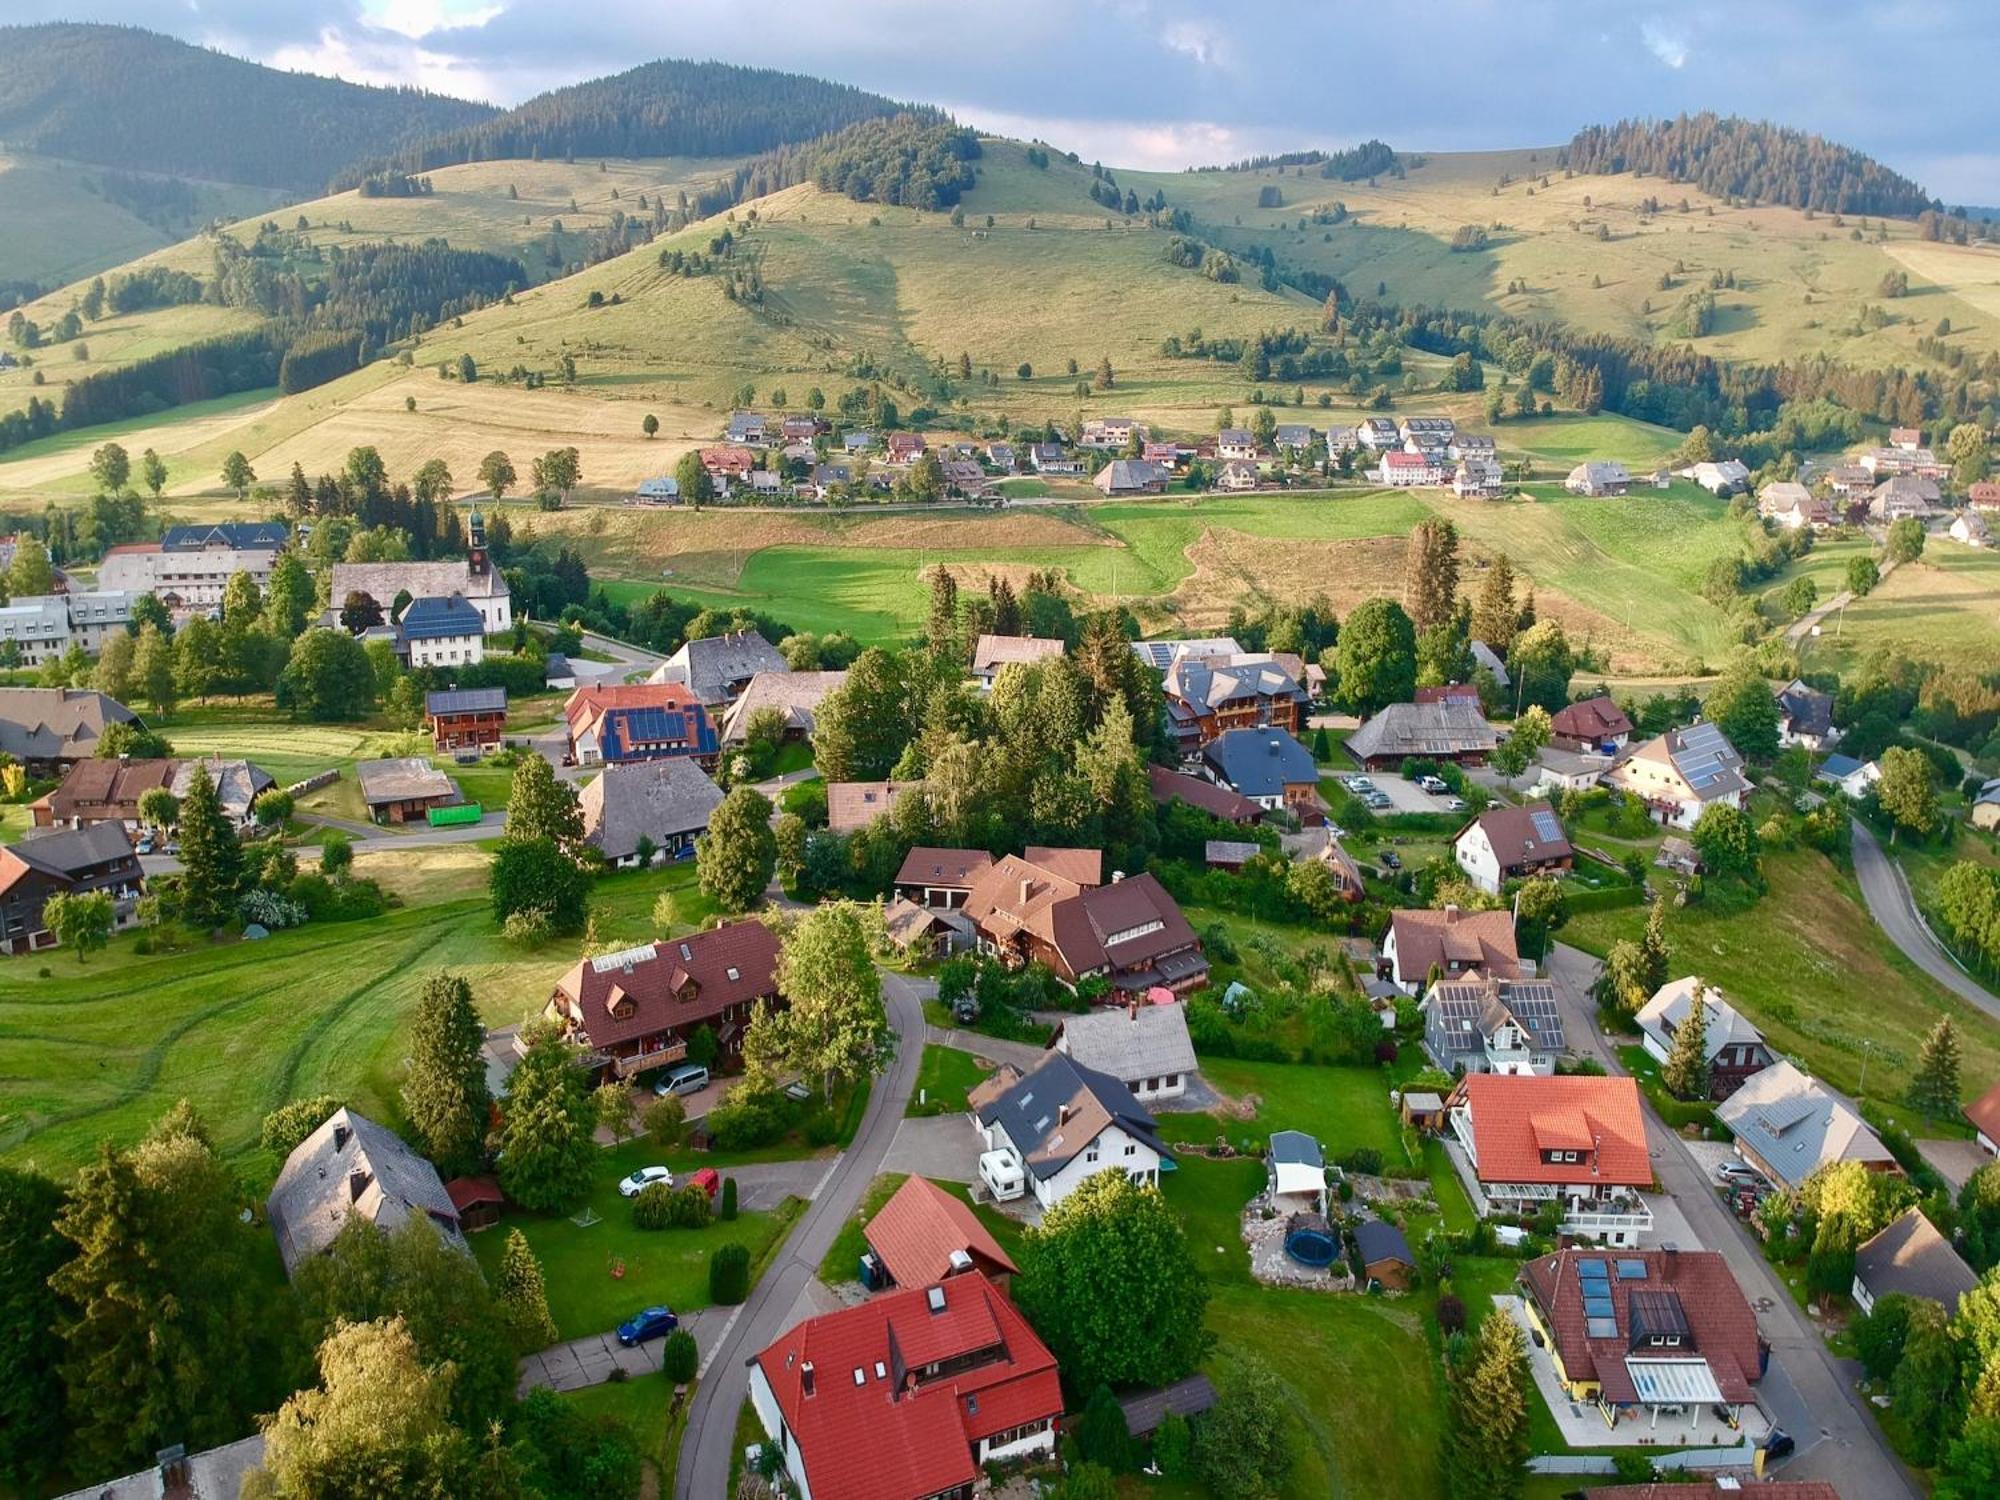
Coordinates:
(842,1261)
(1342,1107)
(943,1080)
(667,1266)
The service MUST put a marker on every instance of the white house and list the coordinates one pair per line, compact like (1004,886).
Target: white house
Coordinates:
(448,632)
(661,489)
(1048,1129)
(1512,843)
(1235,442)
(1577,1140)
(1682,773)
(1409,470)
(1144,1047)
(1853,777)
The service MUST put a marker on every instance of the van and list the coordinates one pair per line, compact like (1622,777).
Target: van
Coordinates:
(688,1078)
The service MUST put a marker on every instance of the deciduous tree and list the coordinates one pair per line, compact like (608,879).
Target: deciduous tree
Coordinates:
(153,670)
(736,858)
(834,1025)
(496,472)
(692,479)
(1727,842)
(541,807)
(1376,657)
(80,920)
(31,1394)
(1746,710)
(1542,664)
(238,475)
(1907,792)
(327,678)
(536,875)
(1242,1446)
(111,467)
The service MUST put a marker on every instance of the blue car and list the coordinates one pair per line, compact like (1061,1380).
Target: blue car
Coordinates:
(653,1323)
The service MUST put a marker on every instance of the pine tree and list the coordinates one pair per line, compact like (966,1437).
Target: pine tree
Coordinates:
(445,1093)
(1934,1086)
(1486,1455)
(524,1299)
(1496,616)
(211,858)
(943,628)
(1686,1071)
(1653,949)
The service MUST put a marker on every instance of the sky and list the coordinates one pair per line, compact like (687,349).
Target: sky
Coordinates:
(1164,84)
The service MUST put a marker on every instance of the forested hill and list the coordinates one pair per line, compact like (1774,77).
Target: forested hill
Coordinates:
(122,97)
(665,108)
(1750,159)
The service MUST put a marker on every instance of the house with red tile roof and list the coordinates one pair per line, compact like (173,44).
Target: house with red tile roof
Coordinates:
(909,1395)
(1046,906)
(1652,1334)
(1983,1115)
(1596,724)
(585,709)
(924,1234)
(1576,1140)
(634,1010)
(1455,942)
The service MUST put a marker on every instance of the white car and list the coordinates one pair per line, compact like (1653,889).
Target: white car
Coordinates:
(645,1177)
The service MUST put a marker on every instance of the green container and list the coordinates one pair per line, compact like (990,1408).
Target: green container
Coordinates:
(452,817)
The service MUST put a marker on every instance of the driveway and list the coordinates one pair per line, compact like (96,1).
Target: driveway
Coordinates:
(1806,1392)
(703,1470)
(945,1147)
(1894,909)
(590,1361)
(1407,796)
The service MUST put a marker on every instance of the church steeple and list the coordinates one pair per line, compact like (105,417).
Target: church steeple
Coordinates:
(475,542)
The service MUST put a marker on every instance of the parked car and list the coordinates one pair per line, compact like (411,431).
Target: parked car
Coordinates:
(1434,785)
(1733,1172)
(1778,1445)
(645,1177)
(651,1323)
(1392,859)
(1357,783)
(708,1180)
(145,844)
(1380,801)
(688,1078)
(1454,804)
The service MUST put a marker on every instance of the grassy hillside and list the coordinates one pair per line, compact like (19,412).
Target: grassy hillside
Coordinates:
(1800,281)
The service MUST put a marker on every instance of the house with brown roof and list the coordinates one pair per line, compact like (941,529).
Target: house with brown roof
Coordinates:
(1575,1139)
(908,1395)
(76,861)
(1681,774)
(925,1234)
(993,654)
(1644,1336)
(1910,1256)
(940,878)
(1512,843)
(1718,1487)
(1216,801)
(403,789)
(108,791)
(853,805)
(1983,1115)
(1596,725)
(50,728)
(1453,941)
(1451,729)
(1034,908)
(634,1010)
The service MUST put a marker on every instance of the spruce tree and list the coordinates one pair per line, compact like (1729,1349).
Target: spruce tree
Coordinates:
(211,859)
(524,1298)
(1486,1454)
(1430,580)
(1496,616)
(1934,1087)
(445,1093)
(942,631)
(1653,947)
(1686,1070)
(547,1150)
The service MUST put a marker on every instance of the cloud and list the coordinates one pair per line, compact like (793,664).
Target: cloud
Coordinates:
(418,19)
(1668,44)
(1197,42)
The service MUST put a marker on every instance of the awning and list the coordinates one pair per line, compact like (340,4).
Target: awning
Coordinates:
(1673,1382)
(1297,1177)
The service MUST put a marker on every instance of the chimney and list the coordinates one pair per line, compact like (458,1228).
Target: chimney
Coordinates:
(175,1480)
(1062,1114)
(1027,890)
(1451,911)
(1132,1009)
(357,1184)
(806,1378)
(340,1135)
(1116,876)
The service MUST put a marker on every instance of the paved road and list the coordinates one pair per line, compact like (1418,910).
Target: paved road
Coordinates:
(703,1472)
(1894,909)
(419,836)
(1802,627)
(1806,1391)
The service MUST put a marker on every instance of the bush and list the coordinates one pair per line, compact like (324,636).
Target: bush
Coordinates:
(289,1124)
(1450,1315)
(1100,1432)
(665,1121)
(728,1199)
(748,1118)
(688,1208)
(528,928)
(1173,1446)
(728,1275)
(679,1359)
(1365,1160)
(654,1207)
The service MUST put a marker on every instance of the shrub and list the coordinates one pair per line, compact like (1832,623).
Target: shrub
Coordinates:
(654,1207)
(688,1208)
(680,1358)
(728,1199)
(1100,1432)
(1173,1446)
(748,1118)
(1451,1314)
(1363,1159)
(665,1121)
(1385,1050)
(288,1124)
(728,1275)
(528,928)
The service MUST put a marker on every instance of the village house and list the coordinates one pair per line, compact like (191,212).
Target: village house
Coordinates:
(1238,475)
(1805,716)
(853,805)
(189,566)
(940,879)
(1574,1139)
(1985,814)
(1682,773)
(1483,1024)
(629,733)
(1294,437)
(1468,445)
(176,1474)
(447,632)
(1143,1046)
(1478,479)
(1598,477)
(1970,529)
(48,729)
(665,803)
(1983,1115)
(857,440)
(793,696)
(1453,941)
(1720,478)
(993,654)
(1216,801)
(1912,463)
(1454,729)
(717,668)
(1378,434)
(1408,470)
(585,709)
(909,1395)
(1734,1050)
(1657,1334)
(1903,496)
(1791,505)
(820,485)
(924,1234)
(1849,481)
(797,429)
(1001,456)
(1909,1256)
(1596,725)
(1037,907)
(636,1010)
(1559,770)
(1168,456)
(472,578)
(466,718)
(1850,777)
(1270,767)
(901,449)
(659,489)
(1342,439)
(1054,460)
(351,1168)
(749,427)
(964,478)
(726,462)
(1060,1122)
(1236,442)
(1109,432)
(1427,434)
(76,861)
(1208,696)
(1512,843)
(108,791)
(1984,496)
(1131,476)
(764,483)
(403,789)
(1788,1125)
(43,627)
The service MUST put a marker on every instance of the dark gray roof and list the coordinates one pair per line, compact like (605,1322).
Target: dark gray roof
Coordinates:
(244,536)
(1145,1410)
(467,701)
(1028,1112)
(1460,1016)
(56,723)
(72,849)
(1261,762)
(1809,711)
(1296,1146)
(434,619)
(351,1165)
(1451,726)
(1378,1240)
(716,664)
(1794,1125)
(1911,1257)
(660,800)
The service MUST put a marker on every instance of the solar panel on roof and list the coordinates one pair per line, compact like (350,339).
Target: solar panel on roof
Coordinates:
(1589,1268)
(1598,1307)
(1601,1328)
(1547,829)
(1631,1270)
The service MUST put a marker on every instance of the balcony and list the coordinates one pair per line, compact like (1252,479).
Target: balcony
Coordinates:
(1616,1220)
(641,1062)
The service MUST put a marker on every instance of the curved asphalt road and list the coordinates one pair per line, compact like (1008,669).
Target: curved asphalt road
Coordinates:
(1894,909)
(703,1472)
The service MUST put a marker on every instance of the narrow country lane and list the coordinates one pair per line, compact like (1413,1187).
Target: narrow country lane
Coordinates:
(1895,912)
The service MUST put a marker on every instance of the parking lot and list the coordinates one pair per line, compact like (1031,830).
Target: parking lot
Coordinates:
(1404,795)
